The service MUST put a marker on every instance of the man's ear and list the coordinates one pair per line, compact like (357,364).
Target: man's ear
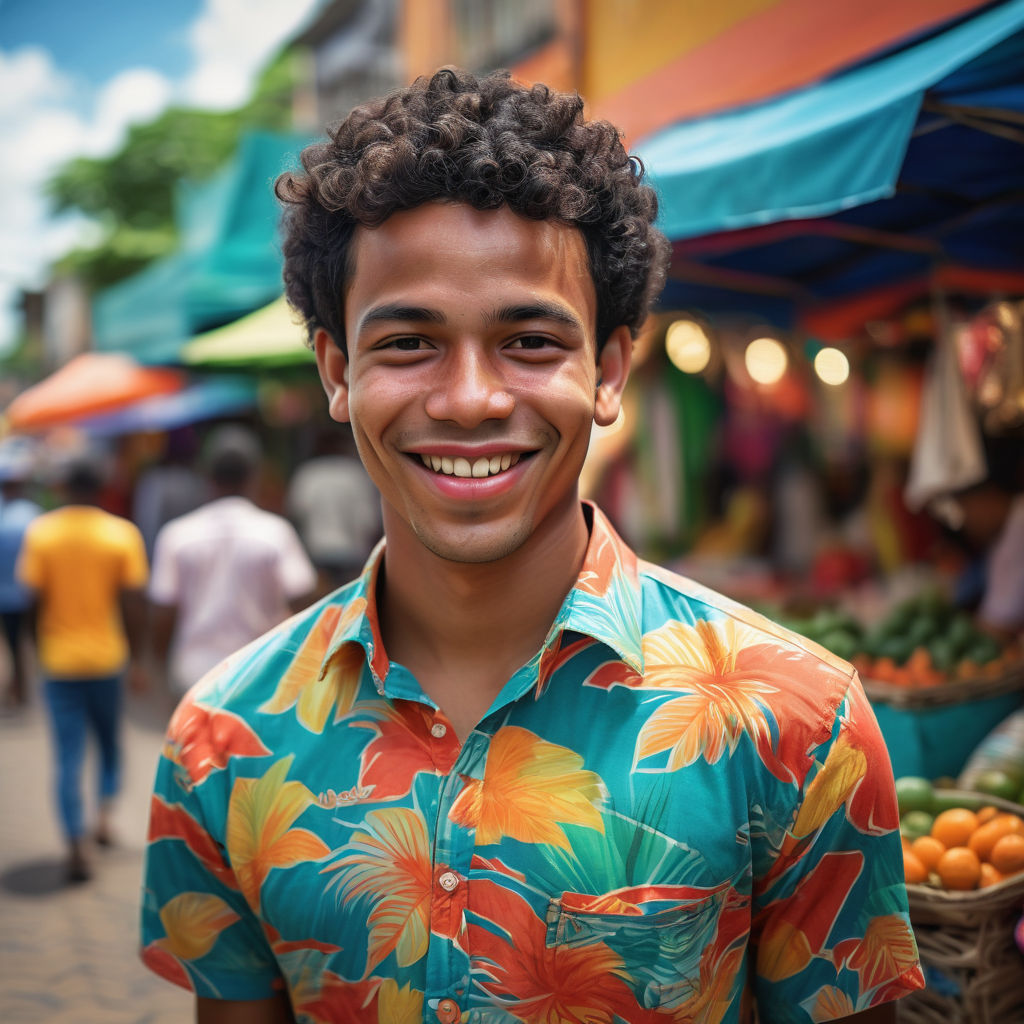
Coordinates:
(612,371)
(333,368)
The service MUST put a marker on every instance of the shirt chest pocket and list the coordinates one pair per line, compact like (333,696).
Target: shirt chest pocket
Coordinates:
(660,942)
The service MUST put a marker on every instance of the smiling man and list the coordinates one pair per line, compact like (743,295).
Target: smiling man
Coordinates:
(511,773)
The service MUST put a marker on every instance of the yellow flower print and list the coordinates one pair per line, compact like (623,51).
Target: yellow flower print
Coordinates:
(530,788)
(259,832)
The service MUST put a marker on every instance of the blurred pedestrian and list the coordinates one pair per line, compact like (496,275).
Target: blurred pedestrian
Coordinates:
(87,569)
(16,512)
(336,508)
(226,572)
(170,487)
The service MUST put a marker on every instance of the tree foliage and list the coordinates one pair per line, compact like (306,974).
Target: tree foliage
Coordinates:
(130,193)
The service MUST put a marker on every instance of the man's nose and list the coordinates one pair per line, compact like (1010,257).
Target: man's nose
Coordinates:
(470,390)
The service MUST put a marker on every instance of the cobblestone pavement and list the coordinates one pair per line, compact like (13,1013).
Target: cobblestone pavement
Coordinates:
(68,953)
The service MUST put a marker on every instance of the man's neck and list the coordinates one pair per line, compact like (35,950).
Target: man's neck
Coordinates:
(463,629)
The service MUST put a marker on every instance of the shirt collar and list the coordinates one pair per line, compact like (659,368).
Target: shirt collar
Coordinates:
(604,603)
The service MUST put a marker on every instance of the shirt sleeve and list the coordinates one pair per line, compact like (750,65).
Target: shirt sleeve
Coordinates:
(136,565)
(163,580)
(197,929)
(29,568)
(831,928)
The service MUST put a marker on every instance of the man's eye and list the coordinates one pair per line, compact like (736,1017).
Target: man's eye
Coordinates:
(409,344)
(531,341)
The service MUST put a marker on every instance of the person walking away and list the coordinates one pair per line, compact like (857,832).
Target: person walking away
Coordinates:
(336,509)
(16,512)
(226,572)
(87,572)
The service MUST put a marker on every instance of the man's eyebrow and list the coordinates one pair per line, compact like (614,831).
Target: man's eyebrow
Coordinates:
(539,310)
(393,311)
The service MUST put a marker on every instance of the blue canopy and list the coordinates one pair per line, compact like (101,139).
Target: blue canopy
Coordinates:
(915,159)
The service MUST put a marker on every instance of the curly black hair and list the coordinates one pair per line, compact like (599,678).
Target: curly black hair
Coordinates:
(489,142)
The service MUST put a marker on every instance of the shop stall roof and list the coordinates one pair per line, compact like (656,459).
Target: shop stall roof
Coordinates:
(272,336)
(909,163)
(228,262)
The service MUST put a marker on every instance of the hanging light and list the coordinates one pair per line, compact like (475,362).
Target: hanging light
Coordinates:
(766,360)
(832,366)
(688,346)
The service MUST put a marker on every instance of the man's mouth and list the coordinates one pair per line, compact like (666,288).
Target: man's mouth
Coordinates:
(479,468)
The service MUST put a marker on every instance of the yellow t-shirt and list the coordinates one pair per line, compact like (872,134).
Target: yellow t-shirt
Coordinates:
(79,559)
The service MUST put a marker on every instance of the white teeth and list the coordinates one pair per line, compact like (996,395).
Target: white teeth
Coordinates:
(461,467)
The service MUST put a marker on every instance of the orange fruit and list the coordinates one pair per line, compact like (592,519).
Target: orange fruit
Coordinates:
(989,876)
(959,868)
(992,831)
(1007,855)
(913,869)
(954,827)
(928,850)
(986,814)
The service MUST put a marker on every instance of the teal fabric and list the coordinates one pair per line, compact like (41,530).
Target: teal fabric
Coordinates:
(228,263)
(826,148)
(673,798)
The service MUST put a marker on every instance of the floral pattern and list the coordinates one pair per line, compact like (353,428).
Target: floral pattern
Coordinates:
(673,805)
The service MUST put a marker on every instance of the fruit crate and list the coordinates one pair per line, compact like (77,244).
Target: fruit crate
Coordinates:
(973,968)
(954,691)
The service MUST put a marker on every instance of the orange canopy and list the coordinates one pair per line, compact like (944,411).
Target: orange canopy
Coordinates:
(91,383)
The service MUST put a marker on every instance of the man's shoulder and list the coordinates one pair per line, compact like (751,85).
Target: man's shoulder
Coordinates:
(671,599)
(252,675)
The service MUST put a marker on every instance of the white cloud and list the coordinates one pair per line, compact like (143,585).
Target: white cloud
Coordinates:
(232,40)
(41,124)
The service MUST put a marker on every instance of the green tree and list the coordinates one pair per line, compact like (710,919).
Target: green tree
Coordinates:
(130,193)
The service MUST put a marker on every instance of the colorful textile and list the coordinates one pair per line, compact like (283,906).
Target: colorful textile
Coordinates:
(79,559)
(672,801)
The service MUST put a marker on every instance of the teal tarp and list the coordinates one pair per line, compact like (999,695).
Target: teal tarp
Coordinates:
(814,152)
(228,263)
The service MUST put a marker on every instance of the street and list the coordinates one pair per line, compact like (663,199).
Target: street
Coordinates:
(68,953)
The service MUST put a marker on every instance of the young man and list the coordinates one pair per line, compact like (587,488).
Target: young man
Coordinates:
(511,773)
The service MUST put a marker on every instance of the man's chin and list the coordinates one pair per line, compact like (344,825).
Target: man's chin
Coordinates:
(473,546)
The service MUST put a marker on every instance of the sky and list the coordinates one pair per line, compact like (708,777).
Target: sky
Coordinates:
(74,74)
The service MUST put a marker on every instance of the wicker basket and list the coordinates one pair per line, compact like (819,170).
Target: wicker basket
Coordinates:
(974,970)
(954,692)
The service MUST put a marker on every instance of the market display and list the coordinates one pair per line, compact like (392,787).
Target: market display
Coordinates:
(921,642)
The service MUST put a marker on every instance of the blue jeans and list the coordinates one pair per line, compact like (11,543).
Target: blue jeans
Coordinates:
(76,705)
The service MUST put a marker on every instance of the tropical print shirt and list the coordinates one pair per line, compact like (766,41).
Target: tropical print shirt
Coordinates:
(674,809)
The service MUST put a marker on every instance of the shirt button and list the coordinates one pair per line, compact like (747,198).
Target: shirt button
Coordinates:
(448,1011)
(449,881)
(438,730)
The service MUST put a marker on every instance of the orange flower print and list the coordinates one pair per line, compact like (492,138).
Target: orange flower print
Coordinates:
(583,984)
(301,686)
(530,789)
(171,821)
(200,739)
(830,1003)
(389,864)
(837,778)
(192,922)
(259,835)
(736,681)
(887,951)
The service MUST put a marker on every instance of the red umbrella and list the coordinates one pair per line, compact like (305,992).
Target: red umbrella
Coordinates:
(91,383)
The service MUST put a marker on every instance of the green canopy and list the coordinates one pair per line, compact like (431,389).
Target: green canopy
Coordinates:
(228,263)
(272,336)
